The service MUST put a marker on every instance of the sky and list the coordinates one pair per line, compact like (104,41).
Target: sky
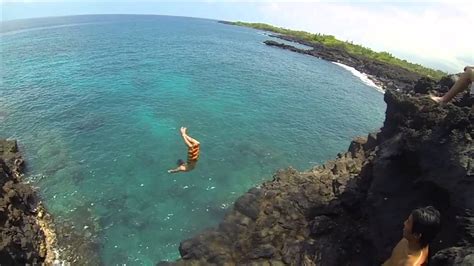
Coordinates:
(436,34)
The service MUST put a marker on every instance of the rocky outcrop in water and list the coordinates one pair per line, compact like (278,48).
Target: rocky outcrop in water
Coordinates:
(350,211)
(383,74)
(22,239)
(28,234)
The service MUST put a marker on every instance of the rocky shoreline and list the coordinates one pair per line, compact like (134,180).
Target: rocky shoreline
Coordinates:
(382,74)
(27,235)
(350,211)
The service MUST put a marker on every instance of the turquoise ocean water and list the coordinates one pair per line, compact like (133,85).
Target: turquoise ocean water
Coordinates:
(96,103)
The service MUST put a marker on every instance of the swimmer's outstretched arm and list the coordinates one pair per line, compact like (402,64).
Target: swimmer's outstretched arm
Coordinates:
(177,169)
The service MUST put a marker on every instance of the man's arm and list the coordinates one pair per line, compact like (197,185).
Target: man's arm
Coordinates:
(177,169)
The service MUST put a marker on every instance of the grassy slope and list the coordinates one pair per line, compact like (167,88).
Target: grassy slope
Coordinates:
(331,41)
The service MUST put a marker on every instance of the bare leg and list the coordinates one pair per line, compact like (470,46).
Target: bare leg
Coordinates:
(461,84)
(184,136)
(187,138)
(193,141)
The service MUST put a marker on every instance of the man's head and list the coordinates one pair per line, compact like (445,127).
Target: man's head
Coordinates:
(180,162)
(422,225)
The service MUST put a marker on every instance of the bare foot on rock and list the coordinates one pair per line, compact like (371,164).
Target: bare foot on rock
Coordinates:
(437,99)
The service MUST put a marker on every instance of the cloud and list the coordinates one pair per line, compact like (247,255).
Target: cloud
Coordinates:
(426,33)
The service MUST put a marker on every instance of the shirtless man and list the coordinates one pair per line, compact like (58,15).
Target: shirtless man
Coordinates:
(419,229)
(193,154)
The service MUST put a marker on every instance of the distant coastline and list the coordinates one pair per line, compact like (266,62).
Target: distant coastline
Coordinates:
(329,41)
(383,75)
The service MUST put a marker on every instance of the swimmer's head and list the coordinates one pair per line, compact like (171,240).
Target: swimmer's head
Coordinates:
(180,162)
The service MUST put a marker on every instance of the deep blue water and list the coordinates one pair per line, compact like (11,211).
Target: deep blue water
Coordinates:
(96,103)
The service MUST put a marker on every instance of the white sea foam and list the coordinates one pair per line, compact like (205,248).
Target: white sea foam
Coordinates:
(362,76)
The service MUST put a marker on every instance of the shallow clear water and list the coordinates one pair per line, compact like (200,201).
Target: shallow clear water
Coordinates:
(97,107)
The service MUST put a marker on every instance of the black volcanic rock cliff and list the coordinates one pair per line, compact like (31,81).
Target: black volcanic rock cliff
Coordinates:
(350,211)
(21,238)
(28,234)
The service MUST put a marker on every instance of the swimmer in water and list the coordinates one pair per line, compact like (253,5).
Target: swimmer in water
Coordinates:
(193,153)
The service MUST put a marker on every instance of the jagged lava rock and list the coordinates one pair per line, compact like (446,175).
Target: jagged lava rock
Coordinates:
(350,211)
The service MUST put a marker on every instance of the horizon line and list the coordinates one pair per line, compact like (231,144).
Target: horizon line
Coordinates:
(2,23)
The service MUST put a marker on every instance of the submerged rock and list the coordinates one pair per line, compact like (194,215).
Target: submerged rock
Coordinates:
(351,210)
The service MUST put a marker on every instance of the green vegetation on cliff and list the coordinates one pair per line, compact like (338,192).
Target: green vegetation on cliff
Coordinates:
(355,49)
